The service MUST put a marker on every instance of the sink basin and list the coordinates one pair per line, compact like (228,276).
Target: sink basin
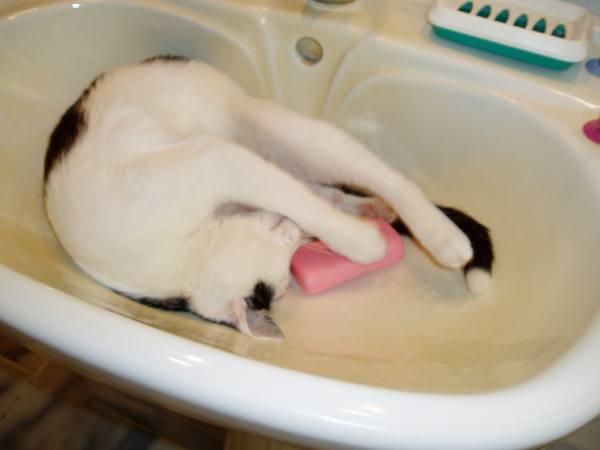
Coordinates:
(404,358)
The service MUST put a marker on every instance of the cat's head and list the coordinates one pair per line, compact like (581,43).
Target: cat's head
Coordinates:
(248,268)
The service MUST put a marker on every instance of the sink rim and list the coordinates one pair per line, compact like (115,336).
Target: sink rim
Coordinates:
(327,410)
(319,410)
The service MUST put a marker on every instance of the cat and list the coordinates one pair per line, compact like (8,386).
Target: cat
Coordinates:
(167,183)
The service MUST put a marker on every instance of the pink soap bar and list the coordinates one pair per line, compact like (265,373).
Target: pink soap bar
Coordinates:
(317,268)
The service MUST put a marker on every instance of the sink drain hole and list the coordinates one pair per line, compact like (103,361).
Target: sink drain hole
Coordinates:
(309,50)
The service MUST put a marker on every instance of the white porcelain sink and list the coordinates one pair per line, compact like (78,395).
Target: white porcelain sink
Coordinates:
(401,359)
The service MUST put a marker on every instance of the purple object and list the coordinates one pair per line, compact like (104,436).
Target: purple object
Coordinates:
(593,66)
(592,130)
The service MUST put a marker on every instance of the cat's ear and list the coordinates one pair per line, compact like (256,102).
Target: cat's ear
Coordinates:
(255,323)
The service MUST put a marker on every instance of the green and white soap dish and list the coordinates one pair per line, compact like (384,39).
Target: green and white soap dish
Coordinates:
(548,33)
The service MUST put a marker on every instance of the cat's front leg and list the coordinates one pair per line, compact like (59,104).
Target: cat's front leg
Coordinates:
(243,177)
(321,153)
(210,170)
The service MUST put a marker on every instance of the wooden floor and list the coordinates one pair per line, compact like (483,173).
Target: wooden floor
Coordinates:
(45,406)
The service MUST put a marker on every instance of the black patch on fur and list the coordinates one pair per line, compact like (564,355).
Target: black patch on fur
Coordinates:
(172,304)
(352,190)
(166,304)
(261,298)
(70,126)
(478,234)
(401,228)
(166,58)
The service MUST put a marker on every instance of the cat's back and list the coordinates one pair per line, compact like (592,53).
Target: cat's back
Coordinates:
(95,203)
(161,100)
(126,113)
(143,108)
(137,110)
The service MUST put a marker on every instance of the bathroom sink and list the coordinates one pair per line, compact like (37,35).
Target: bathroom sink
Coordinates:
(404,358)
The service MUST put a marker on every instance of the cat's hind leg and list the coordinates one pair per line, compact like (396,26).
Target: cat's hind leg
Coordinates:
(321,153)
(477,271)
(359,205)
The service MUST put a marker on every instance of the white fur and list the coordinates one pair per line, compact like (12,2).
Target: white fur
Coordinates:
(478,281)
(147,200)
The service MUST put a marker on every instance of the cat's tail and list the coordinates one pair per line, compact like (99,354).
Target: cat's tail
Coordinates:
(479,269)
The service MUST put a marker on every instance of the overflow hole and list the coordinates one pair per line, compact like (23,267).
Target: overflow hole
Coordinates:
(309,50)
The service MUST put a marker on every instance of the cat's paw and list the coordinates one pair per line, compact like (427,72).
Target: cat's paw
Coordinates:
(289,233)
(448,245)
(286,231)
(362,243)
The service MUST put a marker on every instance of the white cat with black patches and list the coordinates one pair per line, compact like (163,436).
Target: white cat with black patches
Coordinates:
(167,183)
